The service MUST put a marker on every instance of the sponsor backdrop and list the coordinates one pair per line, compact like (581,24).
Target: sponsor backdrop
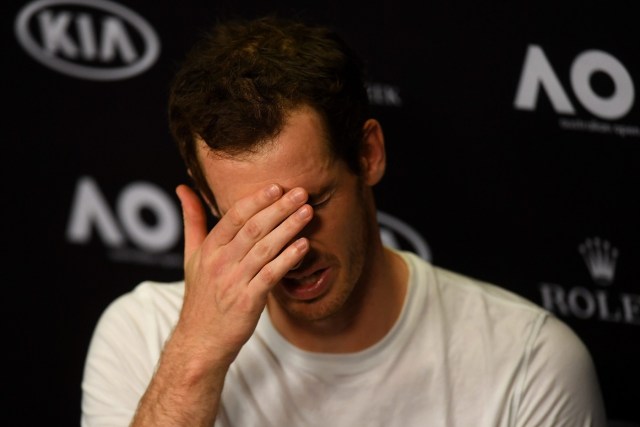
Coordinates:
(513,135)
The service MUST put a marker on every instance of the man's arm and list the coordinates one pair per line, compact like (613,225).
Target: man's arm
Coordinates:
(186,388)
(228,274)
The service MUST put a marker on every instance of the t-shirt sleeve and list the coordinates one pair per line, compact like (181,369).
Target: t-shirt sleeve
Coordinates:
(560,386)
(118,366)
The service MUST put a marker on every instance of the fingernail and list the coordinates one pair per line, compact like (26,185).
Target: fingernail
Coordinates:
(297,195)
(300,244)
(273,190)
(304,212)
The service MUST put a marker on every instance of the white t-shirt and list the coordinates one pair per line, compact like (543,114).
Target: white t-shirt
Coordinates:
(462,353)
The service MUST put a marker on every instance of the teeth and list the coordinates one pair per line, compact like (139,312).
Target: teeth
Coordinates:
(311,279)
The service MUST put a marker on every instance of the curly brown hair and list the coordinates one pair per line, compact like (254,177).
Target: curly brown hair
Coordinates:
(238,83)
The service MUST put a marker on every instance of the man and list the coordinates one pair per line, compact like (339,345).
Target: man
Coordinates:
(292,312)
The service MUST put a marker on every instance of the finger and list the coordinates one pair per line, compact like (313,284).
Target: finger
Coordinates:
(274,243)
(265,221)
(275,270)
(237,216)
(195,220)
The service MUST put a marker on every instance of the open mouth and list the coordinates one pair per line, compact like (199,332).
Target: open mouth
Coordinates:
(307,287)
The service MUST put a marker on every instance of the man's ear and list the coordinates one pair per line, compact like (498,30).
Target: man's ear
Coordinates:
(373,156)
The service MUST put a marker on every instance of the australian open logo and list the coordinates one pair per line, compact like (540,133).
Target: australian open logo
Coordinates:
(400,235)
(142,226)
(601,84)
(87,39)
(599,302)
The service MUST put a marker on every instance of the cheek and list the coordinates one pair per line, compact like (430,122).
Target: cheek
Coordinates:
(337,226)
(342,220)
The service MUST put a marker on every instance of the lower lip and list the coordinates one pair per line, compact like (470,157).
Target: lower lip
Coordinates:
(309,291)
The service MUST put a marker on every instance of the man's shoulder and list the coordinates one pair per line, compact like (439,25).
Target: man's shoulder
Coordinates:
(148,299)
(152,292)
(457,287)
(463,285)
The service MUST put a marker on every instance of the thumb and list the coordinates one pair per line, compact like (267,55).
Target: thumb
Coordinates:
(195,220)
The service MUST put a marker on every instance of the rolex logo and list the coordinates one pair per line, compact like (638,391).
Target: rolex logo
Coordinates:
(600,258)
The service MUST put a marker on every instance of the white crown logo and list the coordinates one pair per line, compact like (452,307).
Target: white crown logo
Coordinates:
(600,258)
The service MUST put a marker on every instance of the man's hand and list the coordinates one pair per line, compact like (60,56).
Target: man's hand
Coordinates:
(229,272)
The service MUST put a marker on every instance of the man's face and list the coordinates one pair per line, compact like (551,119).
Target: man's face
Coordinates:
(339,231)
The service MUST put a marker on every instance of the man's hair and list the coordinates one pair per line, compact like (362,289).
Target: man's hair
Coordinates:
(240,81)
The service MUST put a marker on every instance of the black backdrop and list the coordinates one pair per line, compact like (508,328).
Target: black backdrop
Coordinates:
(513,143)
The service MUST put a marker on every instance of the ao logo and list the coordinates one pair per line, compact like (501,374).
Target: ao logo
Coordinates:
(392,229)
(537,72)
(88,39)
(90,211)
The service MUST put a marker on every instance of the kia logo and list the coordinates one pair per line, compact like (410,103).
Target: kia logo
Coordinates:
(87,39)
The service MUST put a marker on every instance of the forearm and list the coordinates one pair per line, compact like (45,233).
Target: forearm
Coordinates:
(185,390)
